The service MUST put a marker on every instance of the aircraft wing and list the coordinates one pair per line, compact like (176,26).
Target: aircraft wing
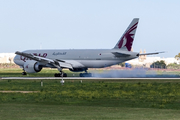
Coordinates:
(150,53)
(55,63)
(118,54)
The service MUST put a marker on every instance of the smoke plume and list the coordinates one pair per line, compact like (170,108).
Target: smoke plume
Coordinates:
(133,73)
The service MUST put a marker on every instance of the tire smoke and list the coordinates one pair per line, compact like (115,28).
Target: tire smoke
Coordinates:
(133,73)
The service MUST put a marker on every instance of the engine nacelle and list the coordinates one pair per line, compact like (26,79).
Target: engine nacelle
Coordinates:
(32,67)
(78,69)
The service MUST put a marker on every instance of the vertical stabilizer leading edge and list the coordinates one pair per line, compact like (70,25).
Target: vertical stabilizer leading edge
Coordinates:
(126,41)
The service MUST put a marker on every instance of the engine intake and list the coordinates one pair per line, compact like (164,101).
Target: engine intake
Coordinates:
(32,67)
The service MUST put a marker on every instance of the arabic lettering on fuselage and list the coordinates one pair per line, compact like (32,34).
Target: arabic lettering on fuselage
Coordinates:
(59,53)
(36,54)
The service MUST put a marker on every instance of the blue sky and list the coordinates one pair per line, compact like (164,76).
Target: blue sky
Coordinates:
(89,24)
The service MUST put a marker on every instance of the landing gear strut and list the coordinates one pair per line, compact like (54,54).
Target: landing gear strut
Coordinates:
(24,72)
(60,74)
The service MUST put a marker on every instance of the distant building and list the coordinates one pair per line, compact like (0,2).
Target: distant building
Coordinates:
(142,57)
(149,60)
(145,61)
(7,57)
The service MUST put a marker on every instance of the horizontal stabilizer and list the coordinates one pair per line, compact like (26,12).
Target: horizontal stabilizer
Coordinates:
(150,53)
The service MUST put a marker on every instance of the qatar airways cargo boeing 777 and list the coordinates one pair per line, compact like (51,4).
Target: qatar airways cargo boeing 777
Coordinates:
(76,60)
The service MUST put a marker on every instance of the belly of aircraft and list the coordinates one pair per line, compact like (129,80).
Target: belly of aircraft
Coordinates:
(99,63)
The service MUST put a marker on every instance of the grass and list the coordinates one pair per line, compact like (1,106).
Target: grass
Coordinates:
(91,99)
(13,111)
(161,95)
(45,72)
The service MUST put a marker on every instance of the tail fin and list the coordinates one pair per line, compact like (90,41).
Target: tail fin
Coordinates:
(126,41)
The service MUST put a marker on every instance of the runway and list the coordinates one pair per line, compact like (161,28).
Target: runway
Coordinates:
(81,78)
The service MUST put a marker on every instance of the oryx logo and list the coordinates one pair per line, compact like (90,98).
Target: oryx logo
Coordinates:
(127,38)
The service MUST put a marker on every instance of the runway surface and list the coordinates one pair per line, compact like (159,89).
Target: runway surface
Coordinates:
(79,78)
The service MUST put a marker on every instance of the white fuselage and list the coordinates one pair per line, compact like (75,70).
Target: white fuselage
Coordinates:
(80,58)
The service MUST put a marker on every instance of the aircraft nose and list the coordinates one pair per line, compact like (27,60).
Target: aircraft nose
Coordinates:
(17,60)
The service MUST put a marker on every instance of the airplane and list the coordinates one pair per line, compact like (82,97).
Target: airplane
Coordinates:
(79,60)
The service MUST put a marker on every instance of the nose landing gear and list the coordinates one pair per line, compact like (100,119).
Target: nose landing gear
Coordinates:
(24,73)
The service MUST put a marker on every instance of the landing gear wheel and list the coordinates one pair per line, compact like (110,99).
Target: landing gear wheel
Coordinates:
(59,75)
(85,75)
(64,75)
(24,73)
(81,75)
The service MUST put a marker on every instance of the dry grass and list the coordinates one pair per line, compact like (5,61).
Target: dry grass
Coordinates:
(19,91)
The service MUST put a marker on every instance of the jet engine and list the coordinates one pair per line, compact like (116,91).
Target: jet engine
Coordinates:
(32,67)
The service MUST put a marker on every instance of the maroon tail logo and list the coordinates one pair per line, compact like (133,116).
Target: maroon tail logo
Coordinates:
(127,38)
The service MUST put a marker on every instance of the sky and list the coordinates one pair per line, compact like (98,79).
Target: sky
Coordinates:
(89,24)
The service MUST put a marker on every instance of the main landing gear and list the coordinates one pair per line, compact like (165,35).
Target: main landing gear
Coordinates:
(60,75)
(85,74)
